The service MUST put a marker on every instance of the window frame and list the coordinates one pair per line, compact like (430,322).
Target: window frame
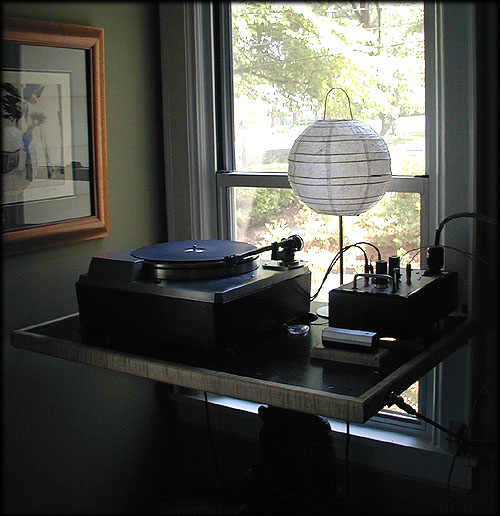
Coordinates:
(227,178)
(199,166)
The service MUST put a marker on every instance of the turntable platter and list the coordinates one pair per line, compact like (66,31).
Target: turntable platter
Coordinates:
(194,259)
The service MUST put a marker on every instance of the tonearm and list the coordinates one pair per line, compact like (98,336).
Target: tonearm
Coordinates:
(282,251)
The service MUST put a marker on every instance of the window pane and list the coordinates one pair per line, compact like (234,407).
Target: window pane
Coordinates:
(265,215)
(286,56)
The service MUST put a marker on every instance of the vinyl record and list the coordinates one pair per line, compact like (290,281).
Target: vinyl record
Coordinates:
(194,259)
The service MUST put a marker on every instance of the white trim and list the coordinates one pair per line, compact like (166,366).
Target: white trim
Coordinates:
(226,180)
(410,184)
(188,119)
(456,71)
(201,119)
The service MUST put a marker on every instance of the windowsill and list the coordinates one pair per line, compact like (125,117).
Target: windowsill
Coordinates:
(375,448)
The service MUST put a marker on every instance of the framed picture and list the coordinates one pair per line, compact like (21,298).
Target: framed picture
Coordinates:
(54,170)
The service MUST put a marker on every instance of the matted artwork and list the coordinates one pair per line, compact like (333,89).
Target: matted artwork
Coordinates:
(36,136)
(54,167)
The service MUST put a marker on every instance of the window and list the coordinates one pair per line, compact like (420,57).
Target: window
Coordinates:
(285,58)
(209,179)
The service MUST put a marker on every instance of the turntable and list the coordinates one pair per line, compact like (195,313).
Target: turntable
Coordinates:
(195,296)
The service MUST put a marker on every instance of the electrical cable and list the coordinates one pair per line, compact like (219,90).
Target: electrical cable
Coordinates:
(398,401)
(473,215)
(462,439)
(448,502)
(329,268)
(347,439)
(466,431)
(379,255)
(467,254)
(214,454)
(335,259)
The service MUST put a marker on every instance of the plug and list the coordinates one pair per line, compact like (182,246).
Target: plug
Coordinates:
(457,442)
(435,260)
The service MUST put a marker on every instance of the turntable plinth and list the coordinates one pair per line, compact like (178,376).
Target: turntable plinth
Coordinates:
(125,303)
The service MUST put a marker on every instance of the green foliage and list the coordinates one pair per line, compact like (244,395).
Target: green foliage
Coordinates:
(393,223)
(289,56)
(272,46)
(266,204)
(321,230)
(294,53)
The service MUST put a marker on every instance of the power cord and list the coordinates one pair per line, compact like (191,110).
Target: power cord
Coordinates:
(214,454)
(336,258)
(463,438)
(398,401)
(467,214)
(347,439)
(466,432)
(470,256)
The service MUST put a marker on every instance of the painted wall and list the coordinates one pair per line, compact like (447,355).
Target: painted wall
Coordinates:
(75,438)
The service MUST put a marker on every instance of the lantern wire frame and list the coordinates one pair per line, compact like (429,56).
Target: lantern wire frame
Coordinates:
(341,242)
(339,167)
(348,100)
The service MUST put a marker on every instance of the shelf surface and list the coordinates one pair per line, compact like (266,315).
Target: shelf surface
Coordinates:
(276,370)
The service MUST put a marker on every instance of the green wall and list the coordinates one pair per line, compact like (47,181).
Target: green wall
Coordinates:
(75,437)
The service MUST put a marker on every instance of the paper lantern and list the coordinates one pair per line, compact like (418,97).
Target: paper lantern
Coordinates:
(339,167)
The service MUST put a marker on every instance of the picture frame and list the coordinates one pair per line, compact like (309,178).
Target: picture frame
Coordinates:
(54,163)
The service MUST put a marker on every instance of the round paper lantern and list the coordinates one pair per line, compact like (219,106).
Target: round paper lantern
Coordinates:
(339,167)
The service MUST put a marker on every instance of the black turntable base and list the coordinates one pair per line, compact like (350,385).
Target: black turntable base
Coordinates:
(176,298)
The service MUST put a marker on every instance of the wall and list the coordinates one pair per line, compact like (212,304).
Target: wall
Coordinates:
(77,438)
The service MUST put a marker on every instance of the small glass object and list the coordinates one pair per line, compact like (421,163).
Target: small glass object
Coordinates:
(297,329)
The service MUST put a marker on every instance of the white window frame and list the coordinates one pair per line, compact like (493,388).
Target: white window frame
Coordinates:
(199,171)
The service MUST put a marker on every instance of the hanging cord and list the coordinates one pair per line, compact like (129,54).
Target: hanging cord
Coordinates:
(334,261)
(348,101)
(472,215)
(466,432)
(347,439)
(336,258)
(398,401)
(214,454)
(379,256)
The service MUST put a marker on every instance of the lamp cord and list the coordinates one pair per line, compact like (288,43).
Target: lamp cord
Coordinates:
(332,264)
(398,401)
(470,256)
(335,259)
(347,439)
(214,454)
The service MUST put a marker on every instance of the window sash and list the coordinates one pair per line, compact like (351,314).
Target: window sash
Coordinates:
(226,180)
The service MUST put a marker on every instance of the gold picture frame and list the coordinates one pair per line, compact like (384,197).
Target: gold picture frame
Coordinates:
(54,164)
